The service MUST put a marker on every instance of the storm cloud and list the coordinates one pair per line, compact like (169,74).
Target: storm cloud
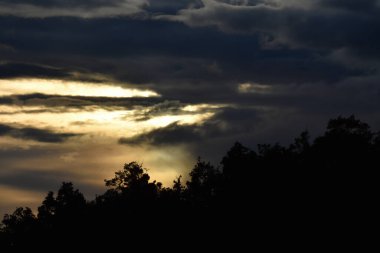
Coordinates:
(30,133)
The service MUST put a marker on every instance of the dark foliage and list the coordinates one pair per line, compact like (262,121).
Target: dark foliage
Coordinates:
(305,190)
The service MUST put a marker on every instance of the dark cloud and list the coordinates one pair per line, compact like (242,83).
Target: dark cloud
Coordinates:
(57,103)
(65,3)
(160,109)
(229,122)
(249,125)
(29,133)
(315,52)
(169,107)
(71,8)
(215,136)
(10,70)
(34,70)
(316,27)
(180,62)
(351,5)
(6,100)
(172,134)
(152,6)
(36,180)
(170,6)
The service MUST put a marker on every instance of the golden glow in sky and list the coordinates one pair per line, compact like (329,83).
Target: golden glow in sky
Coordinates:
(111,123)
(68,88)
(92,153)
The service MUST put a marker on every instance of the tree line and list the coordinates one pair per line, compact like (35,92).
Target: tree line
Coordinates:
(309,184)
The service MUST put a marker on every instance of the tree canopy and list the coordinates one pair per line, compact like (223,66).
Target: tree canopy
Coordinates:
(328,180)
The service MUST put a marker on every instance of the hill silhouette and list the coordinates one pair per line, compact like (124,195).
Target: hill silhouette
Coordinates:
(315,191)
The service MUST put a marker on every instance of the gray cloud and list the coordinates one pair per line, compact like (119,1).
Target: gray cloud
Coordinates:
(172,134)
(323,25)
(29,133)
(168,107)
(10,70)
(56,103)
(251,125)
(66,3)
(351,5)
(302,51)
(36,180)
(71,8)
(226,123)
(171,7)
(169,57)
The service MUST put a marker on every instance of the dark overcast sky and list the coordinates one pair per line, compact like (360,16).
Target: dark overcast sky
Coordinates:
(264,70)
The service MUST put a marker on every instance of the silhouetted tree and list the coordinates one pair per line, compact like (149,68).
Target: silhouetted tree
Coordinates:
(21,221)
(204,183)
(301,144)
(19,228)
(239,162)
(48,208)
(346,144)
(132,175)
(133,182)
(177,186)
(69,200)
(306,184)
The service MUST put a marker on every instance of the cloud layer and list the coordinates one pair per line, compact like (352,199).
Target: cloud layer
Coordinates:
(225,70)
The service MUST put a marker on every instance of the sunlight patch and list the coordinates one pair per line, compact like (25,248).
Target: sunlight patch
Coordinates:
(69,88)
(100,122)
(254,88)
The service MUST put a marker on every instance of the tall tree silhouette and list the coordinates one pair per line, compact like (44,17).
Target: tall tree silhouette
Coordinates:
(69,199)
(204,183)
(238,163)
(19,228)
(344,146)
(48,208)
(133,183)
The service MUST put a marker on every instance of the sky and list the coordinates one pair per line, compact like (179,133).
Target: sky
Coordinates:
(88,85)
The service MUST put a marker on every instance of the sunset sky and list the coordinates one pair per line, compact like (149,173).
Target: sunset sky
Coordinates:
(88,85)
